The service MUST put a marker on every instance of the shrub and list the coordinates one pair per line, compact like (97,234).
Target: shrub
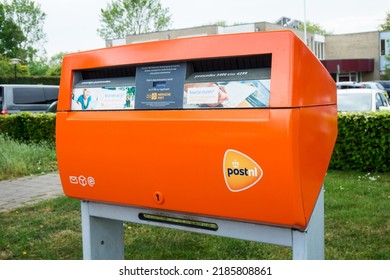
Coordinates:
(29,127)
(363,142)
(32,80)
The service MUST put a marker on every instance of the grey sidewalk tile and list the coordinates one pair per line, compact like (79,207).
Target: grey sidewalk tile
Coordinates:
(27,190)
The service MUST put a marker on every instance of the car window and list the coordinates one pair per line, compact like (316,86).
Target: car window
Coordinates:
(51,94)
(356,102)
(384,100)
(348,86)
(380,86)
(29,96)
(378,100)
(35,95)
(387,84)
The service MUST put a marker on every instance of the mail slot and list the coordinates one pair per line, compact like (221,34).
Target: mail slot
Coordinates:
(238,127)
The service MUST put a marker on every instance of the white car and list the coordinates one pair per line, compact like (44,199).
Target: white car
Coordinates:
(377,86)
(346,85)
(361,100)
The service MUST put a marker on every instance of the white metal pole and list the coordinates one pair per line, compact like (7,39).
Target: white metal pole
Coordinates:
(304,22)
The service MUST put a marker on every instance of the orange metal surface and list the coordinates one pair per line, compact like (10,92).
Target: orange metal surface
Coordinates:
(174,159)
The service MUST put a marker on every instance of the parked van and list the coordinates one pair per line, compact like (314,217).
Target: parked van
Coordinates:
(26,98)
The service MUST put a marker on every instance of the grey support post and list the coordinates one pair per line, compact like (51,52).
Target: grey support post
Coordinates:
(310,244)
(103,238)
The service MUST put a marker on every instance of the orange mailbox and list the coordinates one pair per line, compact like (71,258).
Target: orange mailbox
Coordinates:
(238,127)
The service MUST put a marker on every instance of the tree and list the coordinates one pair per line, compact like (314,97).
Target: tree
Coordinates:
(129,17)
(11,37)
(38,67)
(5,67)
(27,15)
(221,23)
(315,28)
(47,67)
(386,25)
(56,59)
(55,64)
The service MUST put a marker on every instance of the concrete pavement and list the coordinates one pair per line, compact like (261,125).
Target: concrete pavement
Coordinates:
(28,190)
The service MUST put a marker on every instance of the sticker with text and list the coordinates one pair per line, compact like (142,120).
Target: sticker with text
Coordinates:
(240,171)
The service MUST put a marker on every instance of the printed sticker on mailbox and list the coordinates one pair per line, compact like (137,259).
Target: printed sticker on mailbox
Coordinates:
(240,171)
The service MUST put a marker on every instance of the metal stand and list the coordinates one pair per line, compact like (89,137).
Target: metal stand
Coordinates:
(103,237)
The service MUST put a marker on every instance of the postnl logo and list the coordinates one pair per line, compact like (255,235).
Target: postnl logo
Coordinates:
(240,171)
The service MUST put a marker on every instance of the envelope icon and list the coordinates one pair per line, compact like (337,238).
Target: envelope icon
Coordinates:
(73,180)
(82,180)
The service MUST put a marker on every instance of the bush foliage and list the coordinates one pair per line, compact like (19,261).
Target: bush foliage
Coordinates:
(30,80)
(363,142)
(29,128)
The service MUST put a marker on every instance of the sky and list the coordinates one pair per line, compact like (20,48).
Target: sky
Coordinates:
(71,25)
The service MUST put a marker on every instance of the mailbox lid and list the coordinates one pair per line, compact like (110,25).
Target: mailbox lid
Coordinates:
(297,77)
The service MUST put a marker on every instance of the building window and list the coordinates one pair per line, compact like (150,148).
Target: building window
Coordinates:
(319,50)
(319,46)
(383,47)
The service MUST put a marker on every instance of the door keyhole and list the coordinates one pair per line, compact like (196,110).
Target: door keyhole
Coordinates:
(158,197)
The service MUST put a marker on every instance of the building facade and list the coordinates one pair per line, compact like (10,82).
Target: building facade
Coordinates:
(348,57)
(384,50)
(353,57)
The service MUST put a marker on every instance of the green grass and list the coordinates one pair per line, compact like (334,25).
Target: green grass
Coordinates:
(18,159)
(357,215)
(357,226)
(47,230)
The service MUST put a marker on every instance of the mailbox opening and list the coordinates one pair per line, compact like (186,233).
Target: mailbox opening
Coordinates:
(197,65)
(214,83)
(178,221)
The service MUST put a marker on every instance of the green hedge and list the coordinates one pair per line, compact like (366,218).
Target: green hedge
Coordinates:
(363,142)
(31,80)
(29,127)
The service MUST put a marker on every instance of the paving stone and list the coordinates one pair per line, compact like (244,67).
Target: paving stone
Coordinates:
(27,190)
